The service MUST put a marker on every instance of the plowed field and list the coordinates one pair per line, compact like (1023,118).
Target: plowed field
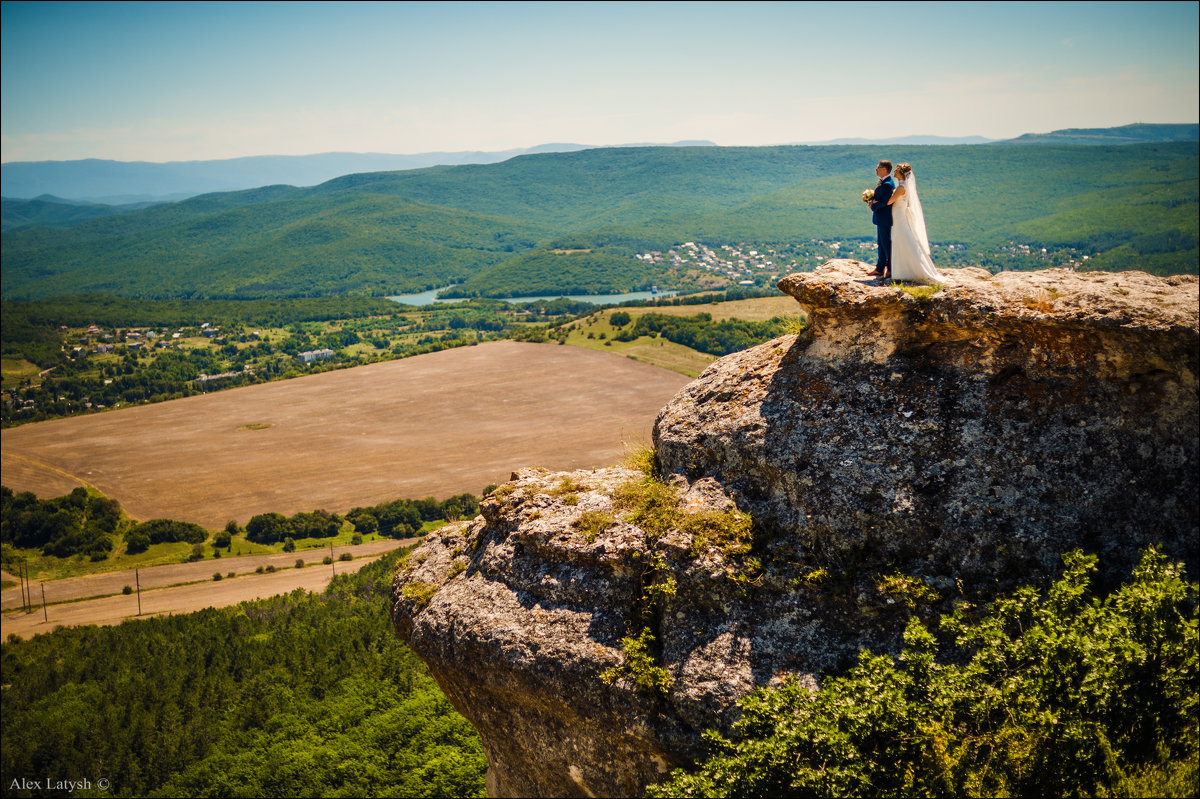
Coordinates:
(434,425)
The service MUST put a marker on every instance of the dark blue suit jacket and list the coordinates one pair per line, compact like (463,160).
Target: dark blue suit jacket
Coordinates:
(881,212)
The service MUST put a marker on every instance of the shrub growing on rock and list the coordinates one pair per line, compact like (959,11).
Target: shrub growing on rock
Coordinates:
(1060,694)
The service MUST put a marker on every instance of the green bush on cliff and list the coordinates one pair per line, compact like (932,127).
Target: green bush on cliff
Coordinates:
(1061,694)
(639,665)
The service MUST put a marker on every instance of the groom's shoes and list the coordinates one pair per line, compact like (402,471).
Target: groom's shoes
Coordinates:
(876,273)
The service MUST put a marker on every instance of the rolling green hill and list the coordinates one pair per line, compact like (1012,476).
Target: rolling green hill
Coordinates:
(1137,133)
(52,212)
(1132,206)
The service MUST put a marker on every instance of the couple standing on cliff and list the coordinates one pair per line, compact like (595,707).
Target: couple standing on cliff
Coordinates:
(903,242)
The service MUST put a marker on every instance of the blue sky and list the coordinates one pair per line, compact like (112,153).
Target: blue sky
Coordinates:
(191,81)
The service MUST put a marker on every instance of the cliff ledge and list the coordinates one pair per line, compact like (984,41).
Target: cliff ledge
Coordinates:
(592,624)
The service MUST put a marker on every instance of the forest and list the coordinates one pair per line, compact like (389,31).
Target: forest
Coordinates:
(1125,207)
(1076,689)
(298,695)
(701,333)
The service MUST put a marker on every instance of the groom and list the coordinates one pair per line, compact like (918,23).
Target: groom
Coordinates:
(881,215)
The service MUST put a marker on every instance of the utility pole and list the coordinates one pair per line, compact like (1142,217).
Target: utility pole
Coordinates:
(21,582)
(138,581)
(45,618)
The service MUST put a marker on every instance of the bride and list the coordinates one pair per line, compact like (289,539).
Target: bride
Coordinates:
(911,259)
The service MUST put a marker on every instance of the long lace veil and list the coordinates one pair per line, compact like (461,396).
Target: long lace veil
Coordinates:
(916,213)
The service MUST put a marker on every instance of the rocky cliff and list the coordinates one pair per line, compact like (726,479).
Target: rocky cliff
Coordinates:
(911,447)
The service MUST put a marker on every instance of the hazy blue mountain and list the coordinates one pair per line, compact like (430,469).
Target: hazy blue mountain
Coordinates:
(122,182)
(907,140)
(1138,133)
(125,182)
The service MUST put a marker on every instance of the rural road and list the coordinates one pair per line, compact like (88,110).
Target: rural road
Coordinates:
(162,594)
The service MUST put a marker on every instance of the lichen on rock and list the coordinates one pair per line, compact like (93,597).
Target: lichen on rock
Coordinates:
(907,449)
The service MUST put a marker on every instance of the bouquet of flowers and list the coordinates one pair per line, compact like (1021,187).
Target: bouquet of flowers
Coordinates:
(868,195)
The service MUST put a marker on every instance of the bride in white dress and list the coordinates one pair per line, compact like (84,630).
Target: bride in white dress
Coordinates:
(912,261)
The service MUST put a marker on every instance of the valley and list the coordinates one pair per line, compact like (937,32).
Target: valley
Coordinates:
(440,424)
(505,229)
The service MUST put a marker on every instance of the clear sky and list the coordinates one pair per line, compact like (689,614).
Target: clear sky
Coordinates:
(185,81)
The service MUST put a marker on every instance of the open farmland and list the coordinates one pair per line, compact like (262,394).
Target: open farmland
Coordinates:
(434,425)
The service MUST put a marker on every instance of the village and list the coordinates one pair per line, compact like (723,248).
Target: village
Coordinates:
(759,265)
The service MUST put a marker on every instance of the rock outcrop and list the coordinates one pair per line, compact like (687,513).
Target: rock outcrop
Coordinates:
(592,624)
(976,432)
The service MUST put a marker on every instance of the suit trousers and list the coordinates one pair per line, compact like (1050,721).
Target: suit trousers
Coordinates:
(883,234)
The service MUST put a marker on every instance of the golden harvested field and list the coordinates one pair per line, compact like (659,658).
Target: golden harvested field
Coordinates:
(759,309)
(435,425)
(668,355)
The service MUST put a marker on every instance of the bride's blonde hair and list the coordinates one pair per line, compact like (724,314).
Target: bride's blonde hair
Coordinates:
(904,170)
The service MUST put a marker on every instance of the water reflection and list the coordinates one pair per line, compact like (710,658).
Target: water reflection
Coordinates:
(430,297)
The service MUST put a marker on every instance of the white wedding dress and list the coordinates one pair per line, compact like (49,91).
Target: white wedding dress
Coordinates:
(912,261)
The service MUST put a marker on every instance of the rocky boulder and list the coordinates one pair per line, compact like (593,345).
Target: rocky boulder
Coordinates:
(975,430)
(914,446)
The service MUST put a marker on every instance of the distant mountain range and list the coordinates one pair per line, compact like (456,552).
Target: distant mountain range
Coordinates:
(906,140)
(126,182)
(1138,133)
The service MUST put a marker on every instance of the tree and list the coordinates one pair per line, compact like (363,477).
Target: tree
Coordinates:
(267,528)
(364,521)
(136,542)
(398,519)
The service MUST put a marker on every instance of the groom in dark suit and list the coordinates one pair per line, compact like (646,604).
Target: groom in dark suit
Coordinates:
(881,215)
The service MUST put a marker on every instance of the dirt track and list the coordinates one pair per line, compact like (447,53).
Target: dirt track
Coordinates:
(434,425)
(157,599)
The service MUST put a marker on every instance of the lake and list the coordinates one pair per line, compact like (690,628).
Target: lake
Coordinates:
(430,297)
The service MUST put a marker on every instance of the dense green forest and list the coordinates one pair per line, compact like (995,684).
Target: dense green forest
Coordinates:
(298,695)
(701,333)
(1125,207)
(78,523)
(557,271)
(54,212)
(1069,692)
